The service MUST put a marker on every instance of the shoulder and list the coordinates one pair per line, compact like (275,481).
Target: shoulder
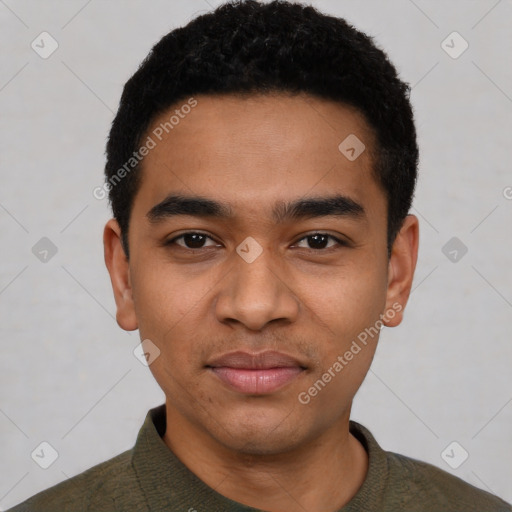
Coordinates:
(396,482)
(104,487)
(428,486)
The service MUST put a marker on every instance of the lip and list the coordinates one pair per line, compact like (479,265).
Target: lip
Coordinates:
(257,374)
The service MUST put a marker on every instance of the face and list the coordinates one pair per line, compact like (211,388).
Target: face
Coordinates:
(258,260)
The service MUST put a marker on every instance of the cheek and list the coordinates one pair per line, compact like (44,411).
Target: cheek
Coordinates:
(349,309)
(350,300)
(172,309)
(164,294)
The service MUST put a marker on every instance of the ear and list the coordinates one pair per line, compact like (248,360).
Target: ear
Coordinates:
(402,264)
(119,270)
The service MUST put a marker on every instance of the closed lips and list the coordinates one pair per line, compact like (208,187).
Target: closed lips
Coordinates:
(256,374)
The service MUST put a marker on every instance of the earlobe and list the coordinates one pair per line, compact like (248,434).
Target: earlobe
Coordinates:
(119,270)
(402,263)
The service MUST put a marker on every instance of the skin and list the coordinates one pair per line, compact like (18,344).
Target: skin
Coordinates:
(267,451)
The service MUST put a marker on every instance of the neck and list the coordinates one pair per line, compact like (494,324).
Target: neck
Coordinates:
(320,475)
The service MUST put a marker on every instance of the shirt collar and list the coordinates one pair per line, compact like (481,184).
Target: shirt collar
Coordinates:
(168,484)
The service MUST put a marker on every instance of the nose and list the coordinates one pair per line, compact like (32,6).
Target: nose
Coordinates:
(256,293)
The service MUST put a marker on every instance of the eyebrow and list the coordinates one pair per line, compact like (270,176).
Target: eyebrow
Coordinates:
(198,206)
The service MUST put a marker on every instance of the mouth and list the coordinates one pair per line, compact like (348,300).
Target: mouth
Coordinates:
(257,374)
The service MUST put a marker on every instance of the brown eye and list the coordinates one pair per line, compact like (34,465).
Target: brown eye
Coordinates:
(319,241)
(191,240)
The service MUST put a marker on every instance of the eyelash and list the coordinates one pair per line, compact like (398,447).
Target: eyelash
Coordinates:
(339,243)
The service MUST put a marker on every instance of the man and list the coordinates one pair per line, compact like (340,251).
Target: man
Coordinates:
(261,168)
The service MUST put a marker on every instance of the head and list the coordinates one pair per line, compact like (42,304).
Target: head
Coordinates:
(261,168)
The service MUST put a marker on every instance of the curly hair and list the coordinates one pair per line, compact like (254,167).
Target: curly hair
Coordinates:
(248,47)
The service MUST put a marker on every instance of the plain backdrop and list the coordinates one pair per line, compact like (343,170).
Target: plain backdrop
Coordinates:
(68,373)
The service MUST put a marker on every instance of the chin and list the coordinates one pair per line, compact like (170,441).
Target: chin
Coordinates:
(261,436)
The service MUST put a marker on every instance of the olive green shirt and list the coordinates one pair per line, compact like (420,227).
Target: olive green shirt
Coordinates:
(149,477)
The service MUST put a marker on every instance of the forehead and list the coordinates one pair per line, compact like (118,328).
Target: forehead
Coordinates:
(255,149)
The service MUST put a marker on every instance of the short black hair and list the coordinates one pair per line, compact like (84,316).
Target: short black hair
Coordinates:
(248,47)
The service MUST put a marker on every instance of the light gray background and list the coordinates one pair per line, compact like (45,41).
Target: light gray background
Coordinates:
(68,373)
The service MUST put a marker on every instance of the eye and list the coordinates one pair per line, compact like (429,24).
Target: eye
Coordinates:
(195,241)
(192,240)
(318,241)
